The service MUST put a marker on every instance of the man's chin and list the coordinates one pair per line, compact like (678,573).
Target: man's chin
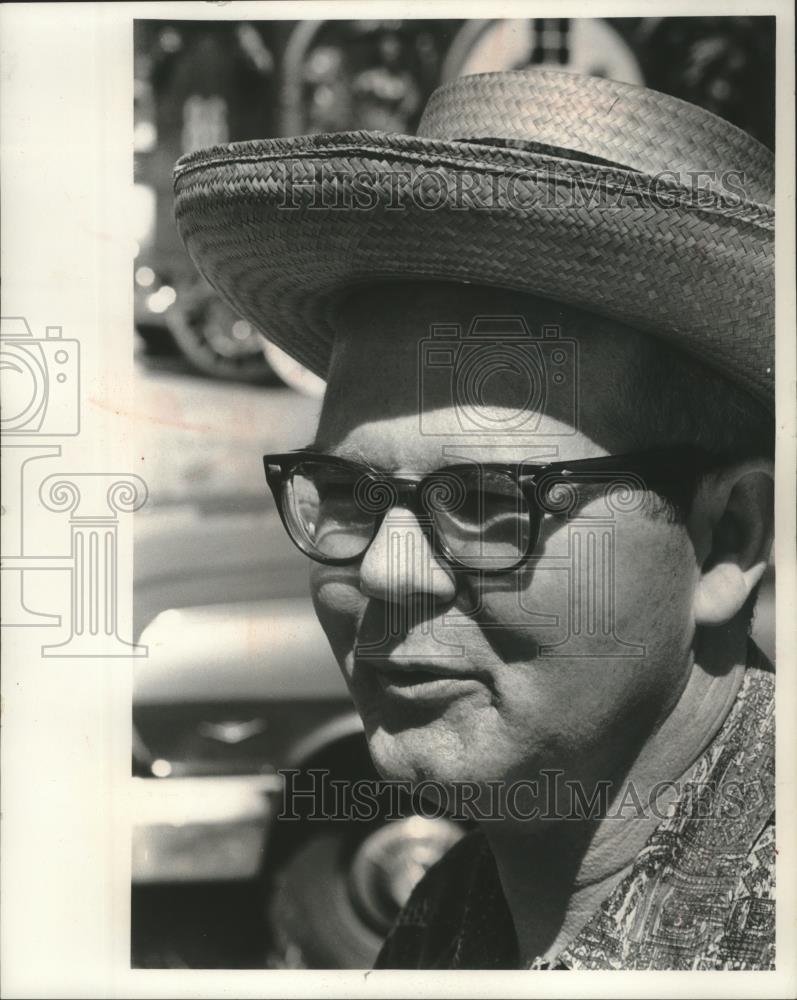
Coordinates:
(416,756)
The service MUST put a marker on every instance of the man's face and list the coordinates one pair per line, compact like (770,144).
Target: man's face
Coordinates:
(569,661)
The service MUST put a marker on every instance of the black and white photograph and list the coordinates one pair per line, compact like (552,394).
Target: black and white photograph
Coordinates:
(398,424)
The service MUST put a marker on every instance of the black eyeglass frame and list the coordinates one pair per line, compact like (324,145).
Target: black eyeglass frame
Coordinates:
(656,467)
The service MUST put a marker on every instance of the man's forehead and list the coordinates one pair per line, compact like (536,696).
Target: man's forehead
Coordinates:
(441,359)
(419,305)
(389,317)
(402,444)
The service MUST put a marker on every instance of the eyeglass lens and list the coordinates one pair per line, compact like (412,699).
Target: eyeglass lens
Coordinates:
(480,518)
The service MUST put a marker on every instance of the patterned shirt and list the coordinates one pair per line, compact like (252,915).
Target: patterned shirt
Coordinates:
(699,896)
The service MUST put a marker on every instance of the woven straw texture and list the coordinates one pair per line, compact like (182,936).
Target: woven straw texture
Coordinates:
(633,126)
(573,188)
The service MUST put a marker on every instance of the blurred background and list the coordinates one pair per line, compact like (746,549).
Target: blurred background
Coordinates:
(239,681)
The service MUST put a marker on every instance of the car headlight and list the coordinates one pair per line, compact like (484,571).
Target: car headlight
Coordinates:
(389,864)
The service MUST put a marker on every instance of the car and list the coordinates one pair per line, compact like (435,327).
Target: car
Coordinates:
(182,315)
(240,692)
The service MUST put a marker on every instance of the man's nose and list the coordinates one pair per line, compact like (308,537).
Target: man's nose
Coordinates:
(400,563)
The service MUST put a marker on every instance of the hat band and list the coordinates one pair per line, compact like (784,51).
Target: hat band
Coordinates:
(532,146)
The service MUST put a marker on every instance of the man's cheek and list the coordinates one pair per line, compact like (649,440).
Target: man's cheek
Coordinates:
(600,596)
(339,606)
(523,610)
(653,576)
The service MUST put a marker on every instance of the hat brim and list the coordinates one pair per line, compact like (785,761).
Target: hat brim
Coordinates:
(283,227)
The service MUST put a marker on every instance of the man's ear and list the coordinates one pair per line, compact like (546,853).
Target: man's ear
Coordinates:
(732,525)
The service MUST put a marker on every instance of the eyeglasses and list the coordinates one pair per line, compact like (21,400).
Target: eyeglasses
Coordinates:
(477,517)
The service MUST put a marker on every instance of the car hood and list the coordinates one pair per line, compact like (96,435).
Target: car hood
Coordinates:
(259,651)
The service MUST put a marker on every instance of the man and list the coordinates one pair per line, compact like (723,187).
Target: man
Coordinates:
(539,503)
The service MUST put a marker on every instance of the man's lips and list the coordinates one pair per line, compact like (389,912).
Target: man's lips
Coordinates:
(422,680)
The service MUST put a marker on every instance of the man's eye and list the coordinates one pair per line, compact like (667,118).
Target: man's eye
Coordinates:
(484,507)
(334,491)
(469,506)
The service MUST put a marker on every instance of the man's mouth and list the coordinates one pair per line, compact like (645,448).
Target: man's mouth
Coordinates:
(428,682)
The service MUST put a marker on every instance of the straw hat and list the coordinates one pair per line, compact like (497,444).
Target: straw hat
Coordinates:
(614,198)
